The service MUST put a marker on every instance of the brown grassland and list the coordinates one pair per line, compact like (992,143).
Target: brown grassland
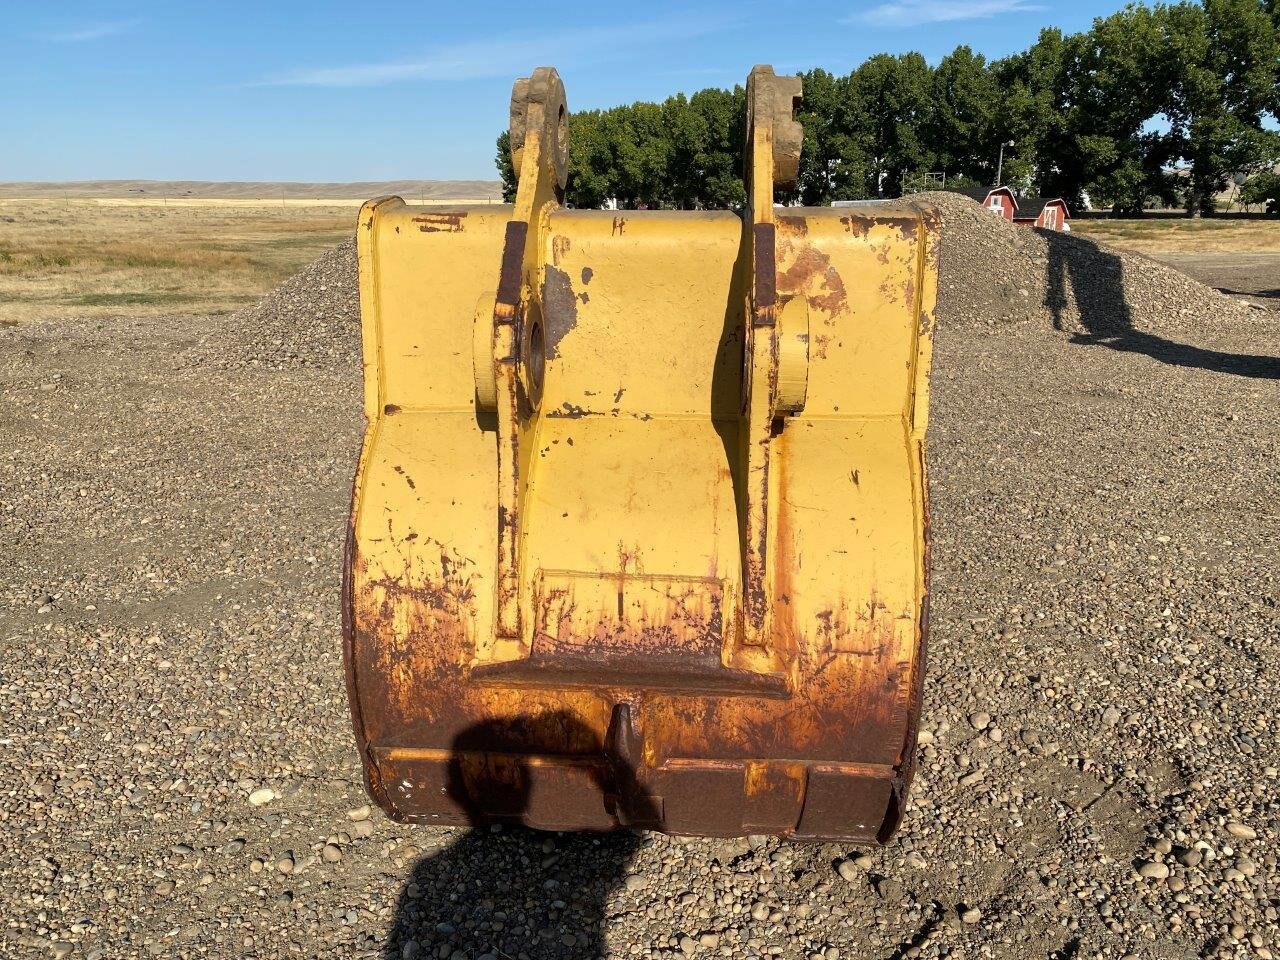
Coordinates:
(93,258)
(1178,235)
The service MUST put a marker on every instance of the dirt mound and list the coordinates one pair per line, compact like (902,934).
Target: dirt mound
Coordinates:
(996,272)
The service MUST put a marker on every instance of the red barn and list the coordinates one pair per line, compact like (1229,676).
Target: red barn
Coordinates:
(1043,212)
(999,200)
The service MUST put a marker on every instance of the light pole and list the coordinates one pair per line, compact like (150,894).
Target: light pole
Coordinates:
(1000,162)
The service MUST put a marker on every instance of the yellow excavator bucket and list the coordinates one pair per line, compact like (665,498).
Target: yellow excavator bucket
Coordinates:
(638,534)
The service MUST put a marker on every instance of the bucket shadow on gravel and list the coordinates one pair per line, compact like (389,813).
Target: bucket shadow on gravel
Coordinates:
(1096,280)
(512,892)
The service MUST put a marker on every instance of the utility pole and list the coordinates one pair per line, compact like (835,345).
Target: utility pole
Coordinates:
(1000,162)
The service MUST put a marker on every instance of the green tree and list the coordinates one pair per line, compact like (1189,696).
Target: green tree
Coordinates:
(1034,118)
(964,125)
(890,101)
(639,147)
(686,132)
(1078,107)
(1107,85)
(591,175)
(505,168)
(1147,102)
(1142,179)
(719,162)
(1262,189)
(833,164)
(1124,82)
(1225,55)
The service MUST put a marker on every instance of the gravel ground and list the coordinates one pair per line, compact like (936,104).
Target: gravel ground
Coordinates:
(996,273)
(1254,276)
(1099,766)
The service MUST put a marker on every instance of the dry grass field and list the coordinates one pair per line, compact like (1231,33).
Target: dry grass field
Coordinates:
(95,258)
(1184,235)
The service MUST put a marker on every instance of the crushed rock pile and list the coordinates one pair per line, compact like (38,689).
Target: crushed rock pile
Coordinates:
(995,272)
(310,320)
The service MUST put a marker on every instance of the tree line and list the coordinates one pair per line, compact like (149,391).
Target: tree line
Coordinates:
(1153,105)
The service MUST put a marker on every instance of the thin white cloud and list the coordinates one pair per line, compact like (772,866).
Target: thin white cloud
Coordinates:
(93,31)
(911,13)
(473,60)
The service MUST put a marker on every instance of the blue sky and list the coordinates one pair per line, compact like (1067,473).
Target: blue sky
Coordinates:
(350,91)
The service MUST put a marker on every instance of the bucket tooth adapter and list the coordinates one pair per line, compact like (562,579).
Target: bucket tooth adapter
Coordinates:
(638,533)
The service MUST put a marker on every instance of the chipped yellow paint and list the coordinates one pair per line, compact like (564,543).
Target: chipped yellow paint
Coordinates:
(579,505)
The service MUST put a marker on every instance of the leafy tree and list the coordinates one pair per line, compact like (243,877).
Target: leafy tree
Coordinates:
(719,162)
(687,134)
(963,124)
(505,168)
(1149,102)
(591,176)
(1033,119)
(890,100)
(833,163)
(641,149)
(1262,189)
(1124,84)
(1092,95)
(1142,180)
(1225,54)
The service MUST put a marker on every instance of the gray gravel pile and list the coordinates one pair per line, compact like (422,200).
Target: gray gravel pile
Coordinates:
(310,320)
(1098,762)
(995,272)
